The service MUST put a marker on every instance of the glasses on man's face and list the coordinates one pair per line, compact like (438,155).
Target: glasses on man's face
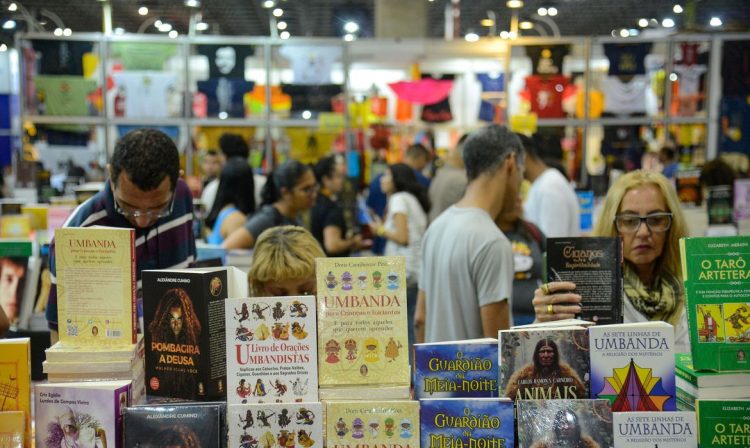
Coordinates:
(152,215)
(310,189)
(656,222)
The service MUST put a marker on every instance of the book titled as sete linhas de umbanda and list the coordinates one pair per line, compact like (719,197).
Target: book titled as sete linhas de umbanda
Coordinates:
(649,429)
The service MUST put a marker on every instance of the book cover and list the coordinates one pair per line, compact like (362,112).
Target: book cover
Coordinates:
(594,264)
(474,422)
(558,423)
(456,369)
(15,379)
(179,425)
(684,369)
(37,214)
(275,424)
(183,312)
(15,226)
(63,351)
(741,199)
(544,364)
(723,423)
(12,428)
(650,429)
(80,414)
(272,349)
(688,186)
(382,424)
(719,205)
(14,263)
(362,335)
(100,310)
(632,366)
(717,298)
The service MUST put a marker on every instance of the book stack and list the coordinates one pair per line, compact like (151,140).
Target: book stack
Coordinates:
(15,392)
(693,385)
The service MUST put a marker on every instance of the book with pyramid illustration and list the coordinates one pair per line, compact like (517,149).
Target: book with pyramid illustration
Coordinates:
(632,366)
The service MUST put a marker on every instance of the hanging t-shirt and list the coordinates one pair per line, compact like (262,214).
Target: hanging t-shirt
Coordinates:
(545,95)
(142,56)
(689,76)
(311,65)
(226,61)
(547,59)
(64,95)
(735,68)
(59,57)
(627,59)
(625,98)
(146,93)
(315,98)
(439,112)
(735,125)
(689,53)
(225,95)
(493,91)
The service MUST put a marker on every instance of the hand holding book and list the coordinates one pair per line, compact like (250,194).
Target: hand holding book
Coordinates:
(556,301)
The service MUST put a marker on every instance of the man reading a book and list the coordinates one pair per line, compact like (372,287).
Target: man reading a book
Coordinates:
(143,192)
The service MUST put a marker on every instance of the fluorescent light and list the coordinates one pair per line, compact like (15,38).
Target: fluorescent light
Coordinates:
(526,25)
(677,9)
(552,11)
(173,34)
(624,33)
(223,115)
(201,26)
(542,11)
(165,27)
(471,37)
(119,31)
(143,10)
(58,32)
(284,35)
(348,37)
(67,32)
(278,12)
(633,32)
(9,24)
(269,4)
(514,3)
(192,3)
(715,21)
(281,25)
(157,23)
(504,34)
(13,7)
(667,23)
(643,23)
(351,27)
(306,114)
(487,22)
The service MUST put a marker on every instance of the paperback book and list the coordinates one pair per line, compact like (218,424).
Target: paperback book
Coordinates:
(68,351)
(100,310)
(708,379)
(719,205)
(544,364)
(184,330)
(15,379)
(467,422)
(688,186)
(177,425)
(741,199)
(717,298)
(650,429)
(594,264)
(14,267)
(382,424)
(80,414)
(555,423)
(632,366)
(272,350)
(275,424)
(456,369)
(12,428)
(723,423)
(362,339)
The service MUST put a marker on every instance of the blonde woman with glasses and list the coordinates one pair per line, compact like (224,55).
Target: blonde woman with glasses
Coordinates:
(642,208)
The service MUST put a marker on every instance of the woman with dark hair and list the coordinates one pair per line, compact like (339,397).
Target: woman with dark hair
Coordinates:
(290,190)
(235,200)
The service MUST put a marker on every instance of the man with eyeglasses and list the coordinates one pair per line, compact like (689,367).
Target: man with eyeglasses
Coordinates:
(143,192)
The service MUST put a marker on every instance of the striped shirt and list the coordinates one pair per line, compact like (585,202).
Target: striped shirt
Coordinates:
(167,244)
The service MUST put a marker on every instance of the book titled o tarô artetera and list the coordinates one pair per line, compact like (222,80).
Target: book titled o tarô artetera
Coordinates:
(96,285)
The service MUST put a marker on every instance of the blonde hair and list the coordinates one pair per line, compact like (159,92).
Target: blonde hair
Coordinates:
(605,225)
(283,253)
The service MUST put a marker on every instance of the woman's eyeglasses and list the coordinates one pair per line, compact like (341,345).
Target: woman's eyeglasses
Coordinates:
(656,222)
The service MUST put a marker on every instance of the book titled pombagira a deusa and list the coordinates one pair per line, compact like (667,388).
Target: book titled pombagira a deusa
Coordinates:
(184,330)
(375,423)
(275,424)
(467,422)
(555,423)
(362,331)
(716,275)
(648,429)
(594,264)
(179,424)
(101,309)
(272,350)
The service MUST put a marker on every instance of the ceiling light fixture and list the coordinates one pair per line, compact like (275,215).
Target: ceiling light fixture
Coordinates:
(487,22)
(677,9)
(67,32)
(715,21)
(552,11)
(633,32)
(624,33)
(13,7)
(542,11)
(201,26)
(284,35)
(165,27)
(269,4)
(58,32)
(157,23)
(143,10)
(526,25)
(349,37)
(281,25)
(173,34)
(504,34)
(3,48)
(514,4)
(673,77)
(471,37)
(192,3)
(119,31)
(9,24)
(306,114)
(643,23)
(667,23)
(351,27)
(278,12)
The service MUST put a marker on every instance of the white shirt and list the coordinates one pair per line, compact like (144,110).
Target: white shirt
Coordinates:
(146,93)
(408,205)
(311,65)
(552,205)
(626,98)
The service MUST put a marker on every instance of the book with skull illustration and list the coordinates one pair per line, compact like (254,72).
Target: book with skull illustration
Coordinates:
(272,351)
(275,424)
(362,339)
(381,423)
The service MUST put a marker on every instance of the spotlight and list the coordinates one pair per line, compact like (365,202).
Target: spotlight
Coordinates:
(351,27)
(67,32)
(143,10)
(284,35)
(173,34)
(201,26)
(552,11)
(281,25)
(471,37)
(667,23)
(643,23)
(715,21)
(278,12)
(677,9)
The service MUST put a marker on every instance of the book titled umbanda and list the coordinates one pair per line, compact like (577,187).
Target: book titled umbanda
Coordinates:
(544,364)
(594,264)
(723,423)
(272,349)
(101,309)
(188,425)
(467,422)
(649,429)
(716,272)
(15,379)
(456,369)
(80,414)
(362,332)
(275,424)
(632,366)
(564,423)
(183,312)
(381,424)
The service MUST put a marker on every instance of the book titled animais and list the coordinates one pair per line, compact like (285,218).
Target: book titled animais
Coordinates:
(716,274)
(632,366)
(15,380)
(381,423)
(362,332)
(456,369)
(723,423)
(559,423)
(272,349)
(650,429)
(467,422)
(594,264)
(275,424)
(177,425)
(183,312)
(544,364)
(101,309)
(80,414)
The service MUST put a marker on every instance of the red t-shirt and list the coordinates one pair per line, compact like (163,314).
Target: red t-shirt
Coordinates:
(546,94)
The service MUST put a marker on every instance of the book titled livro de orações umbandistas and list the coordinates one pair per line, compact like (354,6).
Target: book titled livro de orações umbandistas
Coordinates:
(716,275)
(467,422)
(275,424)
(649,429)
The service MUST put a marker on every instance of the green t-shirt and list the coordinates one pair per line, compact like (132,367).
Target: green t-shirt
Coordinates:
(64,95)
(142,56)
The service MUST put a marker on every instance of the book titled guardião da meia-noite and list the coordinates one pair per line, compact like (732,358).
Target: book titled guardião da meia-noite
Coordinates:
(362,339)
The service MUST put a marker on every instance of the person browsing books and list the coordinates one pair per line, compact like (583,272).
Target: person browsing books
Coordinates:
(234,202)
(642,208)
(290,190)
(143,192)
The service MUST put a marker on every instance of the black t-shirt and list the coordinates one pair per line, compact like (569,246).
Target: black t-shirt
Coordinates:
(547,59)
(627,59)
(59,57)
(735,68)
(265,218)
(326,213)
(240,53)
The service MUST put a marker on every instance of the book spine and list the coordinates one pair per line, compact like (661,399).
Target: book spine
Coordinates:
(687,376)
(685,397)
(133,290)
